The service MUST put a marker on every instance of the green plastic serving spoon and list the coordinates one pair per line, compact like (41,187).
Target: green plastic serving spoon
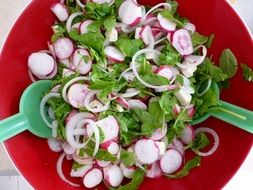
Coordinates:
(29,116)
(229,113)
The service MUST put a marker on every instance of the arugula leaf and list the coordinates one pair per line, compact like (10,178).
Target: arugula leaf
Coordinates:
(181,121)
(92,40)
(117,3)
(101,154)
(247,73)
(167,102)
(127,158)
(210,41)
(129,46)
(228,63)
(198,39)
(171,134)
(145,66)
(135,182)
(155,79)
(76,165)
(98,11)
(169,15)
(59,31)
(110,23)
(169,56)
(94,26)
(201,141)
(193,163)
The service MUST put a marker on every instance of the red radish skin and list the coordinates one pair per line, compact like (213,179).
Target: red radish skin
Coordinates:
(182,42)
(191,110)
(93,178)
(83,27)
(82,66)
(122,102)
(41,64)
(154,170)
(137,104)
(61,11)
(165,71)
(113,54)
(63,48)
(171,161)
(54,144)
(187,135)
(130,13)
(169,36)
(176,110)
(127,171)
(113,175)
(76,94)
(146,151)
(80,172)
(167,25)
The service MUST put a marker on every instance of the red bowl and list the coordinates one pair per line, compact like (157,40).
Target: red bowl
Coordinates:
(37,163)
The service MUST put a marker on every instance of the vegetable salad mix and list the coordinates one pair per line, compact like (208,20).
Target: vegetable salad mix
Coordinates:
(127,82)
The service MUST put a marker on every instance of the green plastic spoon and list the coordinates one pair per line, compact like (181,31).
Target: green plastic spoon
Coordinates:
(229,113)
(29,116)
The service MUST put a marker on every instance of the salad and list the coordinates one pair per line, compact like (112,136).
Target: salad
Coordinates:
(127,81)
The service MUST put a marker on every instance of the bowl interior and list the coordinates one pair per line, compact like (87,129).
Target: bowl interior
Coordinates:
(38,164)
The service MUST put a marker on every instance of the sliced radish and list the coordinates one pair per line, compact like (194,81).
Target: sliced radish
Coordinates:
(113,148)
(159,133)
(93,178)
(61,11)
(187,135)
(82,61)
(150,20)
(167,25)
(70,115)
(178,145)
(113,175)
(147,36)
(137,104)
(54,144)
(83,28)
(182,42)
(130,13)
(63,48)
(76,94)
(161,147)
(122,102)
(114,54)
(67,63)
(67,148)
(154,170)
(190,27)
(80,172)
(138,32)
(76,26)
(183,97)
(146,151)
(67,72)
(102,163)
(127,171)
(171,161)
(165,71)
(191,110)
(41,64)
(176,110)
(112,35)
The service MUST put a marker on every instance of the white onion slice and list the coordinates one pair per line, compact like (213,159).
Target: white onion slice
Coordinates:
(60,172)
(55,125)
(31,76)
(65,88)
(88,99)
(70,20)
(130,94)
(80,3)
(216,140)
(95,130)
(43,104)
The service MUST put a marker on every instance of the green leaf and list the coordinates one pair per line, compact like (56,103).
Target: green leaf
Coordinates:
(198,39)
(247,73)
(193,163)
(101,154)
(76,165)
(135,182)
(228,63)
(201,141)
(129,46)
(169,15)
(98,11)
(145,66)
(210,41)
(167,102)
(110,23)
(127,158)
(94,26)
(155,79)
(169,56)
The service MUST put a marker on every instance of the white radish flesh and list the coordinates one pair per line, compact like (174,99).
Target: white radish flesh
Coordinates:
(147,36)
(161,147)
(159,133)
(54,144)
(178,145)
(67,148)
(93,178)
(190,27)
(82,61)
(165,71)
(112,35)
(187,134)
(61,11)
(167,25)
(137,32)
(122,102)
(102,163)
(41,64)
(171,161)
(114,54)
(80,172)
(137,104)
(130,13)
(154,170)
(113,175)
(182,42)
(63,48)
(127,171)
(83,28)
(146,151)
(113,148)
(76,94)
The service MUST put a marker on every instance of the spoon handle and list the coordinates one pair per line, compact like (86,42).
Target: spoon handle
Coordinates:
(12,126)
(234,115)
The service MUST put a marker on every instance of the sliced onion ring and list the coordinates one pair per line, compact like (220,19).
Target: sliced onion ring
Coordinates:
(70,20)
(216,140)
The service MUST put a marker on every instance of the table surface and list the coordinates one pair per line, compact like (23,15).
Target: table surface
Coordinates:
(10,10)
